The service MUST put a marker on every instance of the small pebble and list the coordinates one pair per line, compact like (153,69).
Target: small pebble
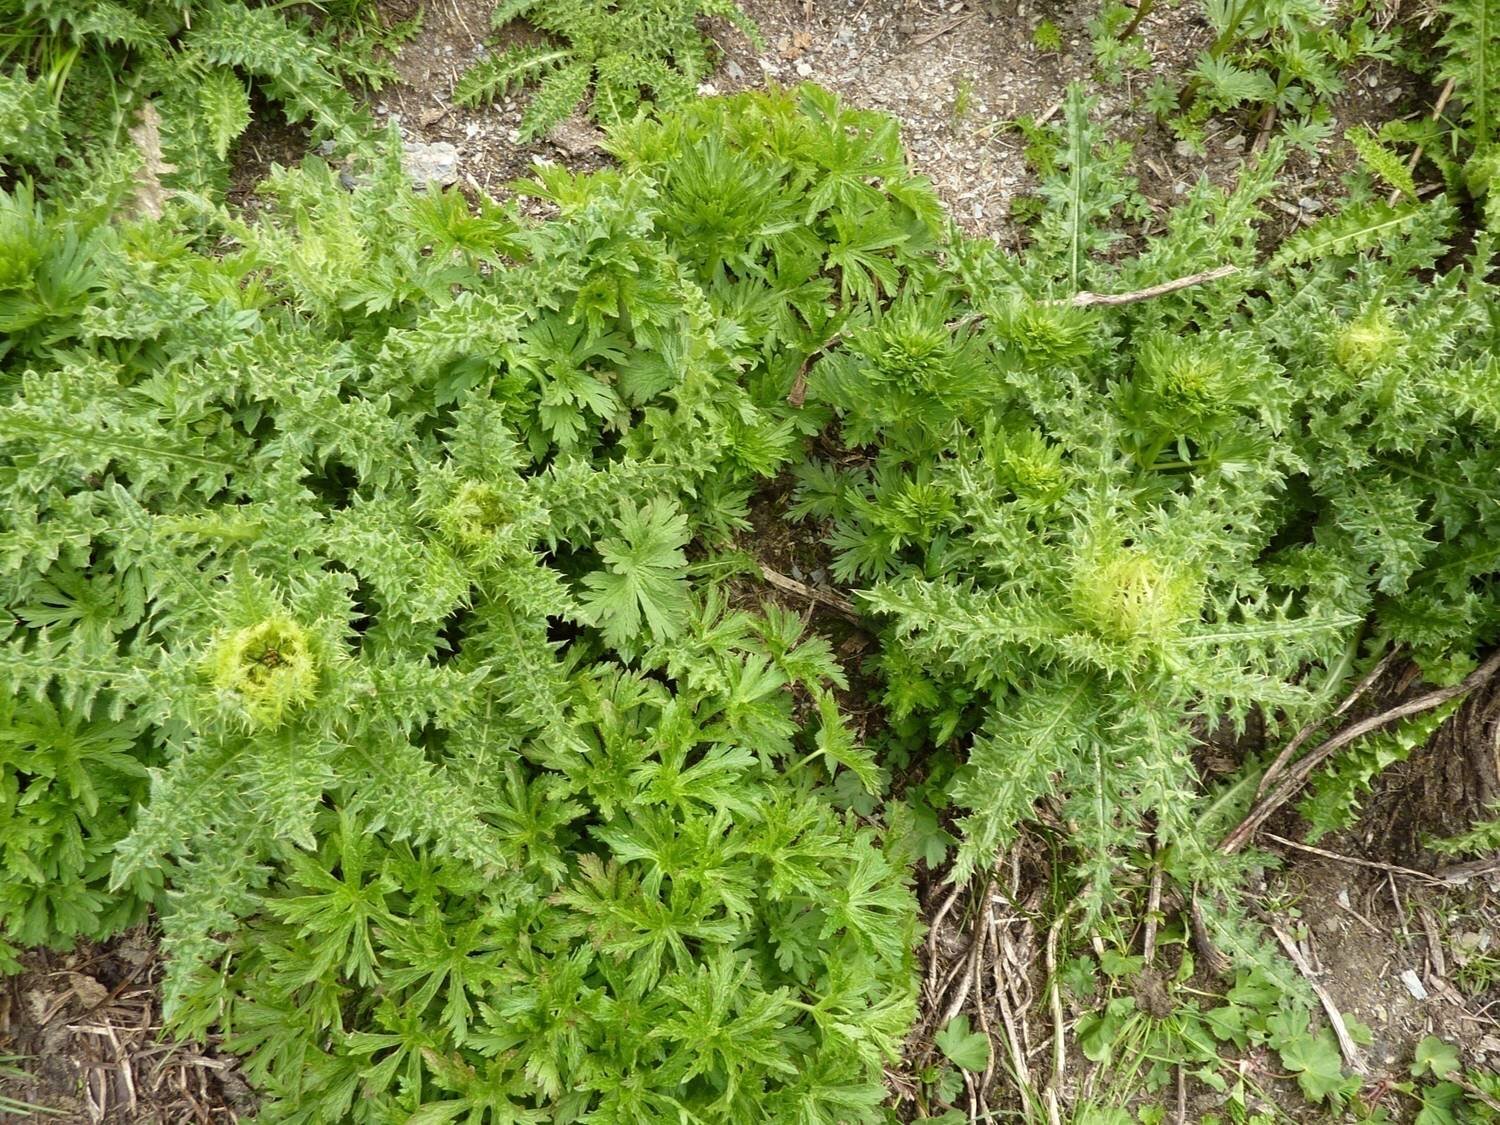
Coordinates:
(804,70)
(734,69)
(1414,984)
(1308,203)
(1184,149)
(1235,143)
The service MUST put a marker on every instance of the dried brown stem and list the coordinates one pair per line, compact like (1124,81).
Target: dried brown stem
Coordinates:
(1054,1001)
(1300,772)
(1352,1058)
(923,40)
(1458,873)
(932,940)
(1306,732)
(1374,865)
(826,598)
(798,394)
(1207,952)
(1416,154)
(1086,300)
(1153,909)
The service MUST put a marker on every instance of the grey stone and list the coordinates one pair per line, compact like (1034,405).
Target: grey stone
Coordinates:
(431,162)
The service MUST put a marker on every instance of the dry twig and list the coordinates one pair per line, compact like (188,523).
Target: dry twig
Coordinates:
(923,40)
(1153,908)
(1054,1001)
(1086,299)
(1374,865)
(826,598)
(1352,1057)
(1305,733)
(1456,874)
(798,394)
(1416,153)
(1300,772)
(1203,945)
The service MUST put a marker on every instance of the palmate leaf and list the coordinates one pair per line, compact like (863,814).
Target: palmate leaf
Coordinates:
(295,483)
(964,1048)
(1229,85)
(645,576)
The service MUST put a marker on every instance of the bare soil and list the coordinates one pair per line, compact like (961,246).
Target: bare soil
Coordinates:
(87,1026)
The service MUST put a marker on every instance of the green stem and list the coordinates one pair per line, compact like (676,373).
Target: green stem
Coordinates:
(1143,9)
(1147,459)
(1231,27)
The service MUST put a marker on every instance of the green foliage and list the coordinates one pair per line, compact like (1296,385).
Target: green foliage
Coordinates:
(82,76)
(358,572)
(628,52)
(643,577)
(1047,36)
(1479,840)
(1117,49)
(1472,62)
(1381,161)
(1092,533)
(1434,1057)
(1333,800)
(350,626)
(1144,1028)
(964,1048)
(1285,56)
